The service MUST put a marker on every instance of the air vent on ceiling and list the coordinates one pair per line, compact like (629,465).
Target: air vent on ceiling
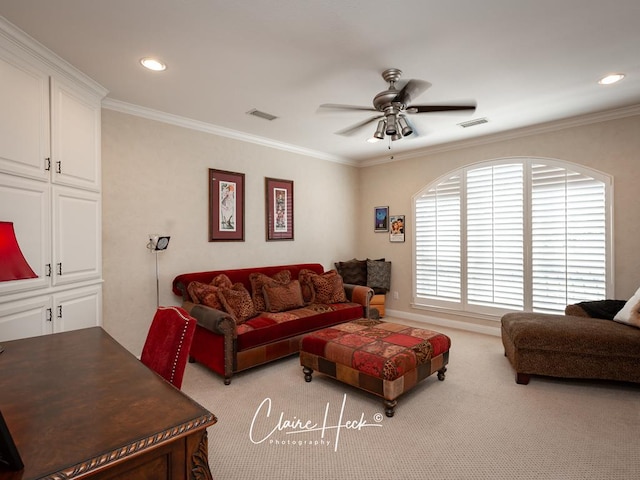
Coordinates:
(474,122)
(259,114)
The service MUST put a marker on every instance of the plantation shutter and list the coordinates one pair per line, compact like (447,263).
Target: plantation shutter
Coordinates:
(568,233)
(495,222)
(437,224)
(525,234)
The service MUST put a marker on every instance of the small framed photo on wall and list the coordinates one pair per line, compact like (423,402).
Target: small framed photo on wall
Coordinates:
(381,219)
(396,228)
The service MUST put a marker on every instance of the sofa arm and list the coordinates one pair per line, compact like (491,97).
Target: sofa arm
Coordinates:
(359,294)
(216,321)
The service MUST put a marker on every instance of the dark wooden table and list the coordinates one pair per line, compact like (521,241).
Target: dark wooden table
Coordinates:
(79,405)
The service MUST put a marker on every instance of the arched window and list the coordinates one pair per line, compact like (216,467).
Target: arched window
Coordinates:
(526,234)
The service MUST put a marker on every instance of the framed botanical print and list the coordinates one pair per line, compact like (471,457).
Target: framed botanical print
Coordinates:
(381,219)
(226,206)
(279,209)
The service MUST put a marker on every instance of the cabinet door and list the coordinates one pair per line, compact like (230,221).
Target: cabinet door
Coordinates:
(26,203)
(25,318)
(77,308)
(75,136)
(24,122)
(77,253)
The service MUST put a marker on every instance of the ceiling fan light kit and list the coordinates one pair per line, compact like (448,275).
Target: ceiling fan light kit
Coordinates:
(394,105)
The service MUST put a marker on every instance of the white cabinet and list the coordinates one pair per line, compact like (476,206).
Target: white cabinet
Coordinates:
(50,182)
(27,203)
(67,310)
(77,235)
(75,137)
(77,308)
(26,318)
(24,120)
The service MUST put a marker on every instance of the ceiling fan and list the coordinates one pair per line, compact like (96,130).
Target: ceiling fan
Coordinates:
(392,106)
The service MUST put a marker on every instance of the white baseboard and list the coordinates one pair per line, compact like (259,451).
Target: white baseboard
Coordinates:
(487,330)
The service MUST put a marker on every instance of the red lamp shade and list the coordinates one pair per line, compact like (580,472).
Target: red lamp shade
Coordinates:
(13,265)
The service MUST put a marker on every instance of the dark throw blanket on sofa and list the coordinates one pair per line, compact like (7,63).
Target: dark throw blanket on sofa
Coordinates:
(606,309)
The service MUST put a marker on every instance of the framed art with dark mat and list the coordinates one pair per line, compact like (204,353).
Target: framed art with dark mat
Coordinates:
(226,206)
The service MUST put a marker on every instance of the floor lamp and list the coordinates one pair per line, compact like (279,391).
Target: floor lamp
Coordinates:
(157,243)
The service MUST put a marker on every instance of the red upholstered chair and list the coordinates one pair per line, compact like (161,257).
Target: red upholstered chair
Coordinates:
(166,349)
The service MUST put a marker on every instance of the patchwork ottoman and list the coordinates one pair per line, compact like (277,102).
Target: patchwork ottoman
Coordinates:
(383,358)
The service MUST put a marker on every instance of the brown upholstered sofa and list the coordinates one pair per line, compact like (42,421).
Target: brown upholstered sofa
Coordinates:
(230,339)
(574,345)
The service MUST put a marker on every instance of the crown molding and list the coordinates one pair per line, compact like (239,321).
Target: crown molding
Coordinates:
(556,125)
(19,43)
(205,127)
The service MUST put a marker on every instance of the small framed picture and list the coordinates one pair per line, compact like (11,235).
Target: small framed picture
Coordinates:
(396,228)
(226,206)
(279,209)
(381,219)
(9,456)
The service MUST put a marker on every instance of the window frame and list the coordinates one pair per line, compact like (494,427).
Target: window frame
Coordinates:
(463,308)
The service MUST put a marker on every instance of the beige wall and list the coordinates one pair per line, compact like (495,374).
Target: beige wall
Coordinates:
(612,147)
(155,180)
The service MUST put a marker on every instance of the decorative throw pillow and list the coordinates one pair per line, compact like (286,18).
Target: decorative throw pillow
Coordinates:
(237,302)
(353,271)
(221,281)
(630,313)
(379,274)
(304,276)
(279,297)
(328,288)
(204,294)
(259,280)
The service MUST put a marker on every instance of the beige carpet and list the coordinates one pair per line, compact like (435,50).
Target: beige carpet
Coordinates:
(477,424)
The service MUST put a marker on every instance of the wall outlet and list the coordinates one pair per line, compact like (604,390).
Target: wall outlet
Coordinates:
(396,296)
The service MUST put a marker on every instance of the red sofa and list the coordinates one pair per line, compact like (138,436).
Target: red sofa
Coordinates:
(226,345)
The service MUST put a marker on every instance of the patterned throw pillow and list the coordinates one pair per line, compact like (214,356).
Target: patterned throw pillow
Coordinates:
(279,298)
(379,274)
(237,302)
(328,288)
(221,281)
(353,271)
(259,280)
(304,276)
(204,294)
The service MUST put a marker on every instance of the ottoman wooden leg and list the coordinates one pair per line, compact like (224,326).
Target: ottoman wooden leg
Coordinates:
(307,374)
(441,373)
(389,407)
(522,378)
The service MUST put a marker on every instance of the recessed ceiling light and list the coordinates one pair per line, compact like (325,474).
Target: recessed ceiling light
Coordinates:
(153,64)
(609,79)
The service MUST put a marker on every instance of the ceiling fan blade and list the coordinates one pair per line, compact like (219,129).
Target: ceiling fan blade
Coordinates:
(413,89)
(337,106)
(438,108)
(354,128)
